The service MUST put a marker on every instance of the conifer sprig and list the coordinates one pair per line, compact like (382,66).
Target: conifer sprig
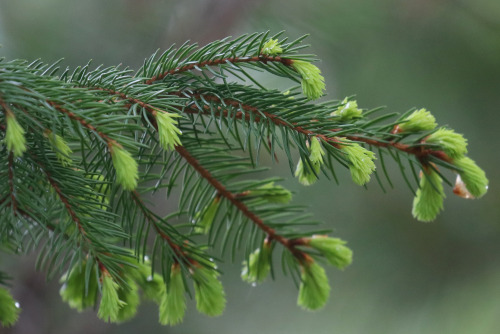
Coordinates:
(82,149)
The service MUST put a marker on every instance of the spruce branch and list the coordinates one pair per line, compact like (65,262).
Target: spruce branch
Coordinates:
(81,151)
(222,191)
(94,250)
(230,60)
(83,122)
(181,254)
(421,152)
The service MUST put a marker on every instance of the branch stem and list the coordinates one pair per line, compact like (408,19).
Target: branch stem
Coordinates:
(233,198)
(221,189)
(419,151)
(262,58)
(138,200)
(69,209)
(83,122)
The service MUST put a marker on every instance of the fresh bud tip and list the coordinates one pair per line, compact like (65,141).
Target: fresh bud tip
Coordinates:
(126,167)
(313,83)
(271,48)
(14,136)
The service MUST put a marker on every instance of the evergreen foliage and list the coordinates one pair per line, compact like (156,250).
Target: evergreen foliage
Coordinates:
(428,201)
(80,149)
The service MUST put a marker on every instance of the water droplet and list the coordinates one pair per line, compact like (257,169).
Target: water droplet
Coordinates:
(146,258)
(150,278)
(17,304)
(254,284)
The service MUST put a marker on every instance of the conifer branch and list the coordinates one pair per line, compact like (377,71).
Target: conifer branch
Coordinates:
(83,122)
(69,137)
(64,200)
(74,217)
(22,212)
(233,198)
(221,190)
(419,151)
(232,60)
(152,219)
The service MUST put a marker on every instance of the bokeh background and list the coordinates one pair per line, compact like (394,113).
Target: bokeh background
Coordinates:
(407,277)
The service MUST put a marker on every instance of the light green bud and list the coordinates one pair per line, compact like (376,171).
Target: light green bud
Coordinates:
(317,152)
(9,309)
(152,287)
(453,144)
(126,168)
(14,136)
(63,151)
(205,218)
(209,293)
(419,120)
(428,201)
(74,292)
(333,249)
(348,110)
(168,132)
(474,177)
(314,288)
(272,193)
(140,272)
(130,296)
(313,83)
(109,309)
(271,48)
(307,173)
(173,303)
(361,162)
(258,266)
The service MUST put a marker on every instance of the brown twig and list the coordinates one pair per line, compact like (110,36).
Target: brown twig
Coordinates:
(419,151)
(222,191)
(64,200)
(233,198)
(175,247)
(84,123)
(262,58)
(71,212)
(23,212)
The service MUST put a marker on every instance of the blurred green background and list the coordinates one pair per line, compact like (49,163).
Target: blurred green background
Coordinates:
(407,277)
